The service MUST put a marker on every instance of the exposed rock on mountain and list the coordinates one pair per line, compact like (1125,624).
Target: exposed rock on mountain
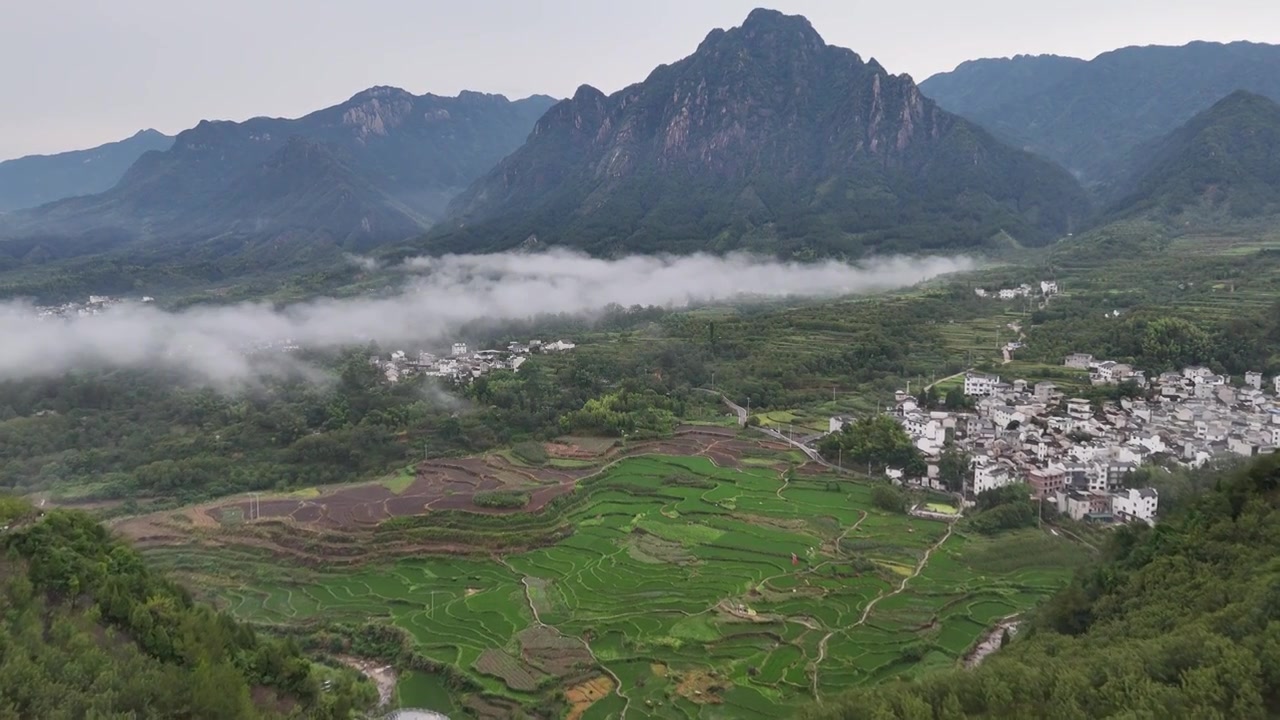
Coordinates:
(765,138)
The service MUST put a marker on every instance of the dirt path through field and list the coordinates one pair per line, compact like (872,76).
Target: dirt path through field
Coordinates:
(822,644)
(617,681)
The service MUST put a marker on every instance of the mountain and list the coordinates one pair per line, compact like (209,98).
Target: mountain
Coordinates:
(1092,116)
(273,193)
(765,138)
(39,179)
(1226,157)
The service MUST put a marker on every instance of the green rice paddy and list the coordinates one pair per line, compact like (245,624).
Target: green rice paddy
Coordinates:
(687,579)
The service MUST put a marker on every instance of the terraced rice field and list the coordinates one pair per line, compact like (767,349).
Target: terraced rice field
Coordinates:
(687,589)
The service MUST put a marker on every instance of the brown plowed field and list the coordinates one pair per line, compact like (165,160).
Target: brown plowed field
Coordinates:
(438,485)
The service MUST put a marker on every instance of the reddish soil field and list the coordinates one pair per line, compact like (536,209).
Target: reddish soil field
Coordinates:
(449,484)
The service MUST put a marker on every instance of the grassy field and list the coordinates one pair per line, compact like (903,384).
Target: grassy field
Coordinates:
(685,591)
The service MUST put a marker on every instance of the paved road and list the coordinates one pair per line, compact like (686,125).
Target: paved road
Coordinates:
(742,421)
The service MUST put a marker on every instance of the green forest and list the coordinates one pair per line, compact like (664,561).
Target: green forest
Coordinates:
(88,631)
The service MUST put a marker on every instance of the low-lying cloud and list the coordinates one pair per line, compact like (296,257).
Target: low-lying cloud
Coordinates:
(441,295)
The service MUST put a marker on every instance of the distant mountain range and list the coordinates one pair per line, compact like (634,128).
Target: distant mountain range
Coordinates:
(38,179)
(1227,158)
(764,138)
(1091,117)
(380,167)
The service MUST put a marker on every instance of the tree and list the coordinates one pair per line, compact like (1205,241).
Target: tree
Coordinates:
(953,467)
(879,441)
(888,498)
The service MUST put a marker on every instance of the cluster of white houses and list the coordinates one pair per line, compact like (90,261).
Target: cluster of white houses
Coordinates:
(1047,287)
(462,365)
(95,305)
(1076,453)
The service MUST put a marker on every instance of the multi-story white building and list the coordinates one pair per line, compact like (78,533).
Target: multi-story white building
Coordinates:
(1080,361)
(459,349)
(978,384)
(1131,505)
(1253,380)
(988,475)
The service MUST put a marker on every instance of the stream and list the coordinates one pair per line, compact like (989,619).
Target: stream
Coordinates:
(991,641)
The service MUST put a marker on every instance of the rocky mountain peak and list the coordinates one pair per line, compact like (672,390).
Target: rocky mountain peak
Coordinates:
(763,123)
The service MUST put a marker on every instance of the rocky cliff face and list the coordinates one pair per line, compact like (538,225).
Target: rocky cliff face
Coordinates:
(763,125)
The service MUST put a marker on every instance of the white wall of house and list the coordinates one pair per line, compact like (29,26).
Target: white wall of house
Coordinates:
(1136,504)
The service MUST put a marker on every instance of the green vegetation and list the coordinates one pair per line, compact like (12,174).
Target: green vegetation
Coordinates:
(86,630)
(530,452)
(810,174)
(1005,508)
(1094,116)
(878,441)
(674,564)
(502,499)
(1179,621)
(1220,160)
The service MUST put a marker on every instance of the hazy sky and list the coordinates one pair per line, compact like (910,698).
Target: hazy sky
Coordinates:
(77,73)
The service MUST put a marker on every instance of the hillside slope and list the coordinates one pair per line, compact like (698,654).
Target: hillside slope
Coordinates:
(86,630)
(764,138)
(1089,116)
(1182,621)
(378,168)
(38,179)
(1226,157)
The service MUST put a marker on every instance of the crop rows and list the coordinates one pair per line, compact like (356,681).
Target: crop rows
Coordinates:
(663,574)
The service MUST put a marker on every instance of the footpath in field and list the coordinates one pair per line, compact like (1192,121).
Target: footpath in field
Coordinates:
(683,584)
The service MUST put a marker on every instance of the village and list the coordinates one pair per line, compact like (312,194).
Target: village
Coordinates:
(1076,454)
(95,305)
(461,365)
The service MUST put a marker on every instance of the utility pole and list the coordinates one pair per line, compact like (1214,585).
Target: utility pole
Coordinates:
(713,379)
(840,458)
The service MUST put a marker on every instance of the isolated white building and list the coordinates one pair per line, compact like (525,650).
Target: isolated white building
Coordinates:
(458,349)
(1131,505)
(1253,380)
(558,346)
(1080,361)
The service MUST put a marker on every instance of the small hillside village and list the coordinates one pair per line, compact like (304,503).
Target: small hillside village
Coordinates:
(462,365)
(95,305)
(1076,454)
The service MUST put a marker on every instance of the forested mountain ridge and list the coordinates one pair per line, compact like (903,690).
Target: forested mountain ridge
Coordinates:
(1179,621)
(1089,116)
(38,179)
(87,630)
(765,138)
(1226,157)
(280,193)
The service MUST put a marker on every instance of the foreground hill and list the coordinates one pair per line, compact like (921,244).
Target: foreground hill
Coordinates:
(1182,621)
(1088,116)
(1226,157)
(86,630)
(764,138)
(39,179)
(377,168)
